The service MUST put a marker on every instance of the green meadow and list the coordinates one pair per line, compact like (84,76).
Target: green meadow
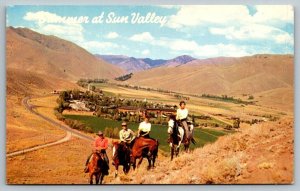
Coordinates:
(202,136)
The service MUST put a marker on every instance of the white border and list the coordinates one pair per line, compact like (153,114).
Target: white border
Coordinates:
(3,186)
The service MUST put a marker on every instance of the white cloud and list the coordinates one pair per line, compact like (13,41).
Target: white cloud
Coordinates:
(181,46)
(50,24)
(112,35)
(142,37)
(284,39)
(254,32)
(96,46)
(42,17)
(177,44)
(267,13)
(47,17)
(195,15)
(169,6)
(215,50)
(146,52)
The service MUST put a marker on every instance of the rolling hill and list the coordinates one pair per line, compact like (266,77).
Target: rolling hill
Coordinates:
(30,51)
(20,83)
(223,75)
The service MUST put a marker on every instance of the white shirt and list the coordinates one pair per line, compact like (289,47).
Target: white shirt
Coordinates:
(126,135)
(146,127)
(182,114)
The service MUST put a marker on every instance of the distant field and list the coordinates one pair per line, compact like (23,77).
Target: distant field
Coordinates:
(202,136)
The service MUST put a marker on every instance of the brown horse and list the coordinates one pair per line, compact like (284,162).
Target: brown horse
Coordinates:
(121,156)
(144,148)
(95,167)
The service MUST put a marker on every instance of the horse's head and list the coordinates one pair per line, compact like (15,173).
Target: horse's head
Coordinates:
(115,148)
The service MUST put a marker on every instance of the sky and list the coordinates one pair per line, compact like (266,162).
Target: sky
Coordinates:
(201,31)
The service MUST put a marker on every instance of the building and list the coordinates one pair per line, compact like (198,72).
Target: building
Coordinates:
(137,110)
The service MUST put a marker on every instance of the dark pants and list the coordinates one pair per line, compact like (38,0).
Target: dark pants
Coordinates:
(144,134)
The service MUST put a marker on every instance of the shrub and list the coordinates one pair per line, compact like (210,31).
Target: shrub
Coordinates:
(58,115)
(111,132)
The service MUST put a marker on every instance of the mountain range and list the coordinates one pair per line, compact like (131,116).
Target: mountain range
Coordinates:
(132,64)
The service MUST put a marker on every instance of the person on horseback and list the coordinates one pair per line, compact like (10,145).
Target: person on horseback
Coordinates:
(181,116)
(144,128)
(174,128)
(126,135)
(100,145)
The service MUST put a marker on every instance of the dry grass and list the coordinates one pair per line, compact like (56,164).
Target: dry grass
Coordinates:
(250,74)
(234,159)
(62,164)
(50,55)
(24,129)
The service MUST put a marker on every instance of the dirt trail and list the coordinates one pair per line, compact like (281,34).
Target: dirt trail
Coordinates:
(69,132)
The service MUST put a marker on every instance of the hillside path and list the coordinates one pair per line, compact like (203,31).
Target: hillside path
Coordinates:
(69,132)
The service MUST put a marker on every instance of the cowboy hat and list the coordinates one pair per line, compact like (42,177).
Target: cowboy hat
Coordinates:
(124,124)
(100,133)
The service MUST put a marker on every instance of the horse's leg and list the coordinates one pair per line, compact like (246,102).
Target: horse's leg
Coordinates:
(91,178)
(133,163)
(186,146)
(116,171)
(172,152)
(101,178)
(149,162)
(177,151)
(140,161)
(97,178)
(153,160)
(126,167)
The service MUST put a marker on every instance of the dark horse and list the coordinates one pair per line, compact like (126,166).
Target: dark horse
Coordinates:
(144,148)
(96,168)
(121,156)
(176,137)
(176,132)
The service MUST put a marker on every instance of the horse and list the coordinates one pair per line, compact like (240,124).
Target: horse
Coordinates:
(176,132)
(176,137)
(96,167)
(144,148)
(121,156)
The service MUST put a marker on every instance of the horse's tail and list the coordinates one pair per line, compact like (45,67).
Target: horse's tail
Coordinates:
(156,148)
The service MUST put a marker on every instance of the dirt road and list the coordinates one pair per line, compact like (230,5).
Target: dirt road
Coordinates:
(69,132)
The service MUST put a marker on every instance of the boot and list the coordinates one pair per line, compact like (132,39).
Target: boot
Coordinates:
(86,170)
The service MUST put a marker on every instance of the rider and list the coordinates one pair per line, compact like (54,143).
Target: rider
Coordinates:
(144,127)
(182,114)
(100,145)
(126,135)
